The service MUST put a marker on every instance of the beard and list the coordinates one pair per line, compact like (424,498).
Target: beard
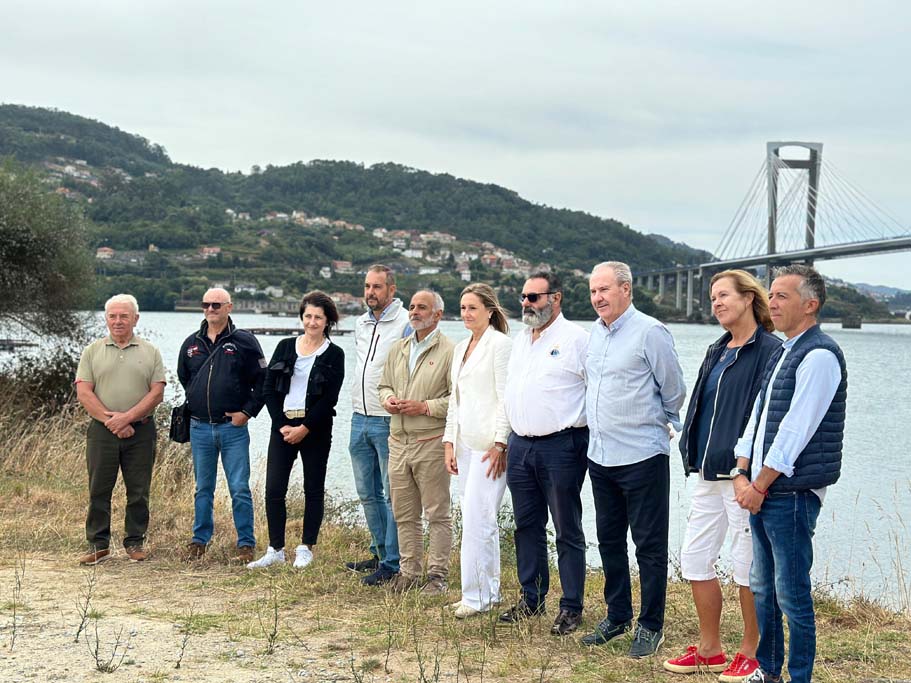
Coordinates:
(538,317)
(418,325)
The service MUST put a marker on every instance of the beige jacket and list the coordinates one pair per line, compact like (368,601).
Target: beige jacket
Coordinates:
(430,382)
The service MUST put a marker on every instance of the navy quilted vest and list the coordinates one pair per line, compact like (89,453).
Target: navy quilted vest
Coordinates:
(819,464)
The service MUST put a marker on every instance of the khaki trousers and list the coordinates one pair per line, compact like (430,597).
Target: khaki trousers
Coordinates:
(419,482)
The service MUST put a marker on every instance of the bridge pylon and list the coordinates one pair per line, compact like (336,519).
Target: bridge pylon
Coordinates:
(774,161)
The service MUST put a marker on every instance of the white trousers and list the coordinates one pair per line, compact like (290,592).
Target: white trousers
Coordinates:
(713,514)
(480,498)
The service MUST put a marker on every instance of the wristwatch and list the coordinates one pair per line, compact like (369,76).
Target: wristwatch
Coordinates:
(737,471)
(500,448)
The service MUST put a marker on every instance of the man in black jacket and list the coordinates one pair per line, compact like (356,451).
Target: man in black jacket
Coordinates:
(221,369)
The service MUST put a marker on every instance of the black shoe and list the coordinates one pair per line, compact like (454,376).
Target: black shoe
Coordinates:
(370,565)
(566,622)
(520,611)
(379,577)
(645,643)
(606,631)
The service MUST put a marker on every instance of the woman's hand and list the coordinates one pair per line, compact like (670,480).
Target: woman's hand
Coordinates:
(452,465)
(497,457)
(294,435)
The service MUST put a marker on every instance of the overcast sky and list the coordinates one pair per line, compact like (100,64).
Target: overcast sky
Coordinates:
(653,113)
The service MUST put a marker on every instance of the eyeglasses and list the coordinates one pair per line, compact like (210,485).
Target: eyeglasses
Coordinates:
(533,296)
(214,305)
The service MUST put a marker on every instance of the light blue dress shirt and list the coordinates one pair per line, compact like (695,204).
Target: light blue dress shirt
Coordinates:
(815,384)
(635,388)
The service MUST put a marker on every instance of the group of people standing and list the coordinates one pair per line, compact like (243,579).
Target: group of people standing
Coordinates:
(534,414)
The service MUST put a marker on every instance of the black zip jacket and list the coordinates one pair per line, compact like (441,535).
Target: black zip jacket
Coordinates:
(737,389)
(326,377)
(231,382)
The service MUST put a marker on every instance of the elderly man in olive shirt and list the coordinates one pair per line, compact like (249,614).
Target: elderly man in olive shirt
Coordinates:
(119,381)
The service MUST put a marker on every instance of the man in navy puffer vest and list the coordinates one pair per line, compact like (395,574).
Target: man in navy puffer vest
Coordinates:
(792,449)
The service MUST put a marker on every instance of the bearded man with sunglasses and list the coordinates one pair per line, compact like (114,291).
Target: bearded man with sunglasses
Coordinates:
(221,369)
(546,452)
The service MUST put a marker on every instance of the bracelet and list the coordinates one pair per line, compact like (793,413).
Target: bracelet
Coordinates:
(764,494)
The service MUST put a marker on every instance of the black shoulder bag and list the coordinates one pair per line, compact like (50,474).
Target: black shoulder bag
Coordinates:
(180,415)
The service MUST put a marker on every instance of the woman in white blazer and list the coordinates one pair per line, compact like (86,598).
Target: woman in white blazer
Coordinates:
(475,443)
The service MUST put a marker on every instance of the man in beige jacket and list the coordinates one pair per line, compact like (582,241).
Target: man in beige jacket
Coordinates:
(415,390)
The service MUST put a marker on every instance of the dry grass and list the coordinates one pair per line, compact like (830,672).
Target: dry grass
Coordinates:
(324,616)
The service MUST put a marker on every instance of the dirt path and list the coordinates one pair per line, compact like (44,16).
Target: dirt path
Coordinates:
(193,624)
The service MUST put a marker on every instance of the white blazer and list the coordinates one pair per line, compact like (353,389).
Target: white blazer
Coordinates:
(477,411)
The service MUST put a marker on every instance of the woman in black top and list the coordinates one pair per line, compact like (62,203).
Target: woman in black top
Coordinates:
(719,408)
(300,390)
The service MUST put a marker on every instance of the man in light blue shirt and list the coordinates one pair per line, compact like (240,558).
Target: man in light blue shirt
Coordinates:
(635,388)
(792,446)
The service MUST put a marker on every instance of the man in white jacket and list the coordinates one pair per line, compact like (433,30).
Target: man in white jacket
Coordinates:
(384,323)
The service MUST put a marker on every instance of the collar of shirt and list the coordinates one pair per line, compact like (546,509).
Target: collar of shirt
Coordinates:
(370,311)
(788,344)
(421,344)
(615,326)
(109,341)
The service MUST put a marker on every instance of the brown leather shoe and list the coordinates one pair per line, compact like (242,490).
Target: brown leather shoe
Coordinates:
(195,551)
(95,557)
(244,554)
(136,553)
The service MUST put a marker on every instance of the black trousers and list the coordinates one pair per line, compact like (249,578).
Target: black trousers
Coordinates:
(105,456)
(314,454)
(546,473)
(633,498)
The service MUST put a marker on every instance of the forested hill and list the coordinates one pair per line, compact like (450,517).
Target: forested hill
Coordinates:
(33,134)
(384,195)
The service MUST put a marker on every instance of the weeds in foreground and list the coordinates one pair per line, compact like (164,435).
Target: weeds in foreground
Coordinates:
(84,601)
(108,663)
(269,618)
(16,603)
(186,632)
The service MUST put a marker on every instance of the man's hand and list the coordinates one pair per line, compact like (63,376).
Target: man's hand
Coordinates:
(392,405)
(117,422)
(497,460)
(238,419)
(294,435)
(452,464)
(412,408)
(750,499)
(125,433)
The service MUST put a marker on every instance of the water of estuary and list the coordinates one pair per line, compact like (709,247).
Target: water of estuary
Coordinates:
(863,538)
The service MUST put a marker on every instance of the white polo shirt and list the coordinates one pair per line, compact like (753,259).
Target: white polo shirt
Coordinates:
(545,383)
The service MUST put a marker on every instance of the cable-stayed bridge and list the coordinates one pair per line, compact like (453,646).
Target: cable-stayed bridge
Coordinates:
(797,210)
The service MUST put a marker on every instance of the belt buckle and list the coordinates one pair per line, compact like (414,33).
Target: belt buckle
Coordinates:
(296,414)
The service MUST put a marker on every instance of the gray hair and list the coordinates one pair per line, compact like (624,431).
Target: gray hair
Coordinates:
(812,285)
(438,304)
(122,299)
(622,272)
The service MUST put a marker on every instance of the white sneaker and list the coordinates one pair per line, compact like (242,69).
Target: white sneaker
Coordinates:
(271,557)
(302,557)
(464,611)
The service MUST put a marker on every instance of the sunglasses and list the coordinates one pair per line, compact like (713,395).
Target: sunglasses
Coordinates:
(533,296)
(214,305)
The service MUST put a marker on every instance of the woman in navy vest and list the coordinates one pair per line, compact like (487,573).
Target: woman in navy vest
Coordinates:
(300,390)
(728,381)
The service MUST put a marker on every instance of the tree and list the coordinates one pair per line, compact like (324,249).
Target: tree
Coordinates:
(46,272)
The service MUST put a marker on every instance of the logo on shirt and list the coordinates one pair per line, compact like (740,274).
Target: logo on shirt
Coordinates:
(230,349)
(192,351)
(555,351)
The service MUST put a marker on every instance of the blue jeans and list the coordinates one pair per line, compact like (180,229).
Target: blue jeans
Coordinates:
(207,440)
(780,581)
(369,448)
